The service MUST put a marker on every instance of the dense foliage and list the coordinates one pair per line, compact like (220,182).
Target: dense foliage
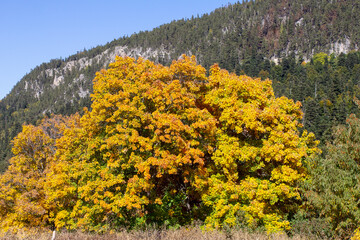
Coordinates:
(259,154)
(241,37)
(163,145)
(23,197)
(335,194)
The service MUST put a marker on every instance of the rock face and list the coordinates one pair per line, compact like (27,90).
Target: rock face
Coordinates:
(342,47)
(72,74)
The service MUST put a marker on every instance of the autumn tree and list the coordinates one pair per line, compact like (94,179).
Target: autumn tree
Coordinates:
(23,200)
(139,149)
(259,156)
(164,145)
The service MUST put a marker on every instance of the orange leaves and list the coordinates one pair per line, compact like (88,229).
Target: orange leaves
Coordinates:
(159,144)
(188,73)
(144,130)
(24,202)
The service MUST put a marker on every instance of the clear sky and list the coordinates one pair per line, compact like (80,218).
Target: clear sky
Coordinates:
(36,31)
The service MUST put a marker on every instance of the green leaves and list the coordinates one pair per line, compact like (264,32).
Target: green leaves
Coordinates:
(335,194)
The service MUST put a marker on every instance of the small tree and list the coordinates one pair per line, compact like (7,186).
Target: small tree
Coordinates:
(23,199)
(333,188)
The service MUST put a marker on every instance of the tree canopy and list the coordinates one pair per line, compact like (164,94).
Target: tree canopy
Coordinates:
(164,145)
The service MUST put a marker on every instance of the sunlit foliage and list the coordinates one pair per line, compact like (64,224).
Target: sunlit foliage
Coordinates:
(258,161)
(139,148)
(23,199)
(169,145)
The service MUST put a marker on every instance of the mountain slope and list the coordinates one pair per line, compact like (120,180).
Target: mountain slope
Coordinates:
(240,37)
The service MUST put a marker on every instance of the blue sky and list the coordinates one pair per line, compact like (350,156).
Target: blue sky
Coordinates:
(36,31)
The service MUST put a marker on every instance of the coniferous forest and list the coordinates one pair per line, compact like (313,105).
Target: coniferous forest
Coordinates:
(256,128)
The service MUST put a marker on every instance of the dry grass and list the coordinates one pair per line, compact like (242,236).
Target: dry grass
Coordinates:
(191,233)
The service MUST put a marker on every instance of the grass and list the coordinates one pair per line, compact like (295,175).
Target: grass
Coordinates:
(183,233)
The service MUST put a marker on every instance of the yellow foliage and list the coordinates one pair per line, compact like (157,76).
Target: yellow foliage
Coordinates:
(259,153)
(145,134)
(23,201)
(162,140)
(356,235)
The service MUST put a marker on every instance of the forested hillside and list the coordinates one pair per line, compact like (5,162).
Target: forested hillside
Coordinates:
(250,37)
